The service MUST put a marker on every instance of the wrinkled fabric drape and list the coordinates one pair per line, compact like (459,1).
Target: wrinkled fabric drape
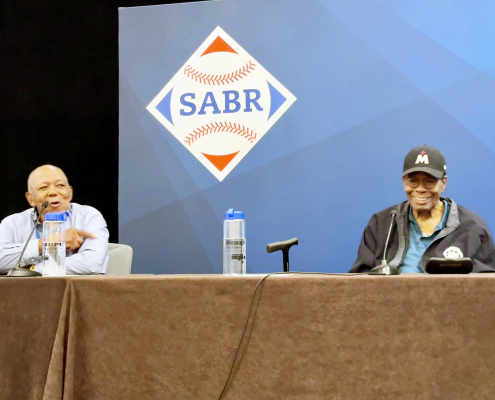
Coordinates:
(310,337)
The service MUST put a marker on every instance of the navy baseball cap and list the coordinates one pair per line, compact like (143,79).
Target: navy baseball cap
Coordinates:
(425,159)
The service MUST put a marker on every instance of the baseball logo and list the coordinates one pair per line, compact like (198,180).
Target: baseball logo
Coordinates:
(220,103)
(453,252)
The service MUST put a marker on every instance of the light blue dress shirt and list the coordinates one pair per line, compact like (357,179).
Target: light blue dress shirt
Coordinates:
(419,243)
(90,258)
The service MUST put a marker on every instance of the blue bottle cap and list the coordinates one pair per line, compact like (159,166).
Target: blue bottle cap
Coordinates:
(232,214)
(58,216)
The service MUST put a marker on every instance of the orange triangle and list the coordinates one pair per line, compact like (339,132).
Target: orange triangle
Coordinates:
(220,161)
(218,45)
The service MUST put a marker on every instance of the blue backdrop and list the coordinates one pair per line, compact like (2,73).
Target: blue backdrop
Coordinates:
(372,79)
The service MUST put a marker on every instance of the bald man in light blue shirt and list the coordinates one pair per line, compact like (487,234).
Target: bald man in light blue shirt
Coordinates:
(86,233)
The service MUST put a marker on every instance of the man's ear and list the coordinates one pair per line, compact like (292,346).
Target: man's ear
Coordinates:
(445,182)
(71,192)
(30,200)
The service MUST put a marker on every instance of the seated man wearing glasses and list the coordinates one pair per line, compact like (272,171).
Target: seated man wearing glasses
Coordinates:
(427,225)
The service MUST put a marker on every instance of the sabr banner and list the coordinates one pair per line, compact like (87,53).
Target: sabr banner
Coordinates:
(209,121)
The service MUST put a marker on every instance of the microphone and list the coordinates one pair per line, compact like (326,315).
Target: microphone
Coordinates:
(17,270)
(384,268)
(285,247)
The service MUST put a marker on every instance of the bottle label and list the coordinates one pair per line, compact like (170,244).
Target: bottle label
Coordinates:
(234,256)
(53,259)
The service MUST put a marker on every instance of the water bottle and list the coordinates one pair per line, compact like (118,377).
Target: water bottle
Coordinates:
(234,243)
(54,244)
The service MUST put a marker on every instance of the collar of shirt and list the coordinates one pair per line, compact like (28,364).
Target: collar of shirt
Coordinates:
(440,225)
(39,227)
(419,243)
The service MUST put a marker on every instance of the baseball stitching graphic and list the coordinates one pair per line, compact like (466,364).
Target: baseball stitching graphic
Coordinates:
(224,79)
(221,127)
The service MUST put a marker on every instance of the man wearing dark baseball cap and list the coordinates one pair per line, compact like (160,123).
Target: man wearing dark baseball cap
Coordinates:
(427,224)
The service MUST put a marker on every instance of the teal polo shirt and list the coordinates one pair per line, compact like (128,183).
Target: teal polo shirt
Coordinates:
(419,243)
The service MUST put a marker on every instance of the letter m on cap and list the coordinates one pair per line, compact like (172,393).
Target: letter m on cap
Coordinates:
(423,159)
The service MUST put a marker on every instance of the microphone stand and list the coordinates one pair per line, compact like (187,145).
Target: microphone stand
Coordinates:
(17,271)
(384,268)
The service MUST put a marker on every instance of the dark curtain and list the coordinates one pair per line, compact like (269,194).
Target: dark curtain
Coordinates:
(59,98)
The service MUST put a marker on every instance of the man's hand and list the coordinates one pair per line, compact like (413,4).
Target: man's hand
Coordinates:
(74,238)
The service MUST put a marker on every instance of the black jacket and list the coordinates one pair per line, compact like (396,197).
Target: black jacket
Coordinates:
(464,230)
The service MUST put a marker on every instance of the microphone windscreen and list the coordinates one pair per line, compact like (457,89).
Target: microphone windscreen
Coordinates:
(44,205)
(394,213)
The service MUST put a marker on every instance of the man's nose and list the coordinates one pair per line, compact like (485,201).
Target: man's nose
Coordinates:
(421,187)
(52,192)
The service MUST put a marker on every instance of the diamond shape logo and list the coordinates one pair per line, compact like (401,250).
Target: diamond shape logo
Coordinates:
(220,103)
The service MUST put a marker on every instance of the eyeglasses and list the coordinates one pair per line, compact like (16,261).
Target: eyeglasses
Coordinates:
(428,183)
